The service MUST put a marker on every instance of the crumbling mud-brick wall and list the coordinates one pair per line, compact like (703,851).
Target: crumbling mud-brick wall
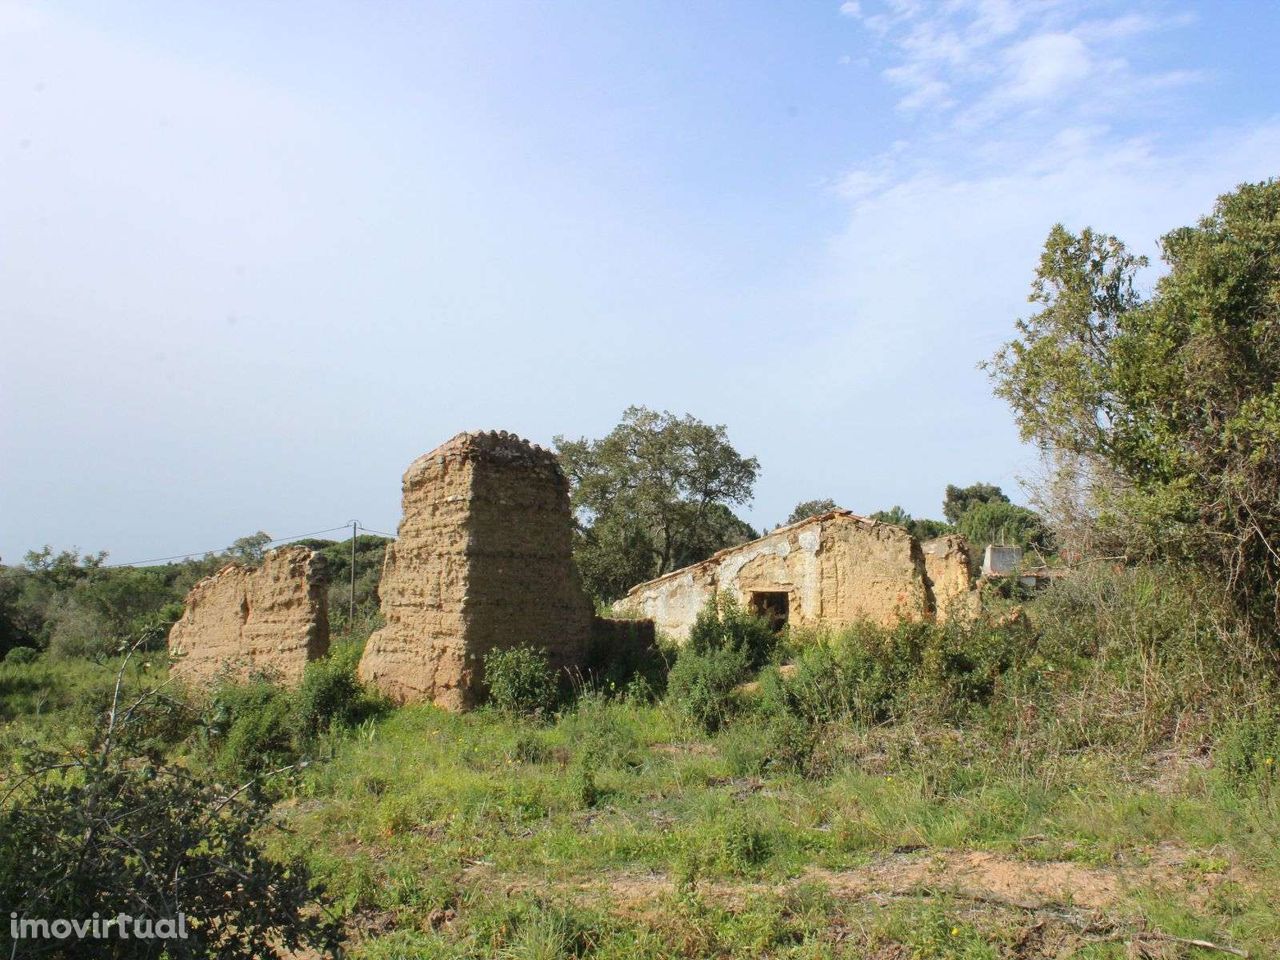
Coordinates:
(484,560)
(834,570)
(950,570)
(269,620)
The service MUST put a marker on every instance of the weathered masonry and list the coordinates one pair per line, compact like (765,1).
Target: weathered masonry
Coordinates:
(483,561)
(950,570)
(831,570)
(269,620)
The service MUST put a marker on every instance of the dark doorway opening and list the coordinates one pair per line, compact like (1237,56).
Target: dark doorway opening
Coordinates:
(774,606)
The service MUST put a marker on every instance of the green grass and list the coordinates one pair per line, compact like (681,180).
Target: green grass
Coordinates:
(1121,743)
(426,814)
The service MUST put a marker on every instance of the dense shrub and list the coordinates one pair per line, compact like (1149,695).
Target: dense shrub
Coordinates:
(254,727)
(250,728)
(520,680)
(701,684)
(623,661)
(765,744)
(869,674)
(116,827)
(724,624)
(21,655)
(1159,642)
(1248,753)
(332,696)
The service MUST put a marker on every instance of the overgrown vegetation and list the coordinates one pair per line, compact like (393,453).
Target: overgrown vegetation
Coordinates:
(1123,718)
(115,825)
(1166,407)
(521,681)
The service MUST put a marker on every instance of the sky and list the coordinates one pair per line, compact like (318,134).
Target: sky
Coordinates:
(255,258)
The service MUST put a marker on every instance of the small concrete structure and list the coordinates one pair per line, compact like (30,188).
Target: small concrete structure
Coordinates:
(1000,560)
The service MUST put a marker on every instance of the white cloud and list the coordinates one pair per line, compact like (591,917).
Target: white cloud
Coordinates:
(981,61)
(1044,65)
(851,8)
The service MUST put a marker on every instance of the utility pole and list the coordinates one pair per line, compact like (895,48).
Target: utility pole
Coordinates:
(351,606)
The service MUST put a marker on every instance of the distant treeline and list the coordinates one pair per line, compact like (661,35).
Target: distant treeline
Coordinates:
(75,605)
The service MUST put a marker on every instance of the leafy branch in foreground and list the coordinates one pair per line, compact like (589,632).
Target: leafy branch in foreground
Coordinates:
(116,827)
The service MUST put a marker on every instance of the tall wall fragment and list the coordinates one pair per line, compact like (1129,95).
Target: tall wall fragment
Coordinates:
(950,570)
(268,620)
(483,561)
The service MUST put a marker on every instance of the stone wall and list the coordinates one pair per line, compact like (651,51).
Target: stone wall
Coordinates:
(483,561)
(269,620)
(950,570)
(835,569)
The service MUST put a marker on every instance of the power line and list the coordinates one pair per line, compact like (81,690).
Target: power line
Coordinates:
(200,553)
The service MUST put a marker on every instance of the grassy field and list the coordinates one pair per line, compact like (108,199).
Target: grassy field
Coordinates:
(1097,783)
(616,831)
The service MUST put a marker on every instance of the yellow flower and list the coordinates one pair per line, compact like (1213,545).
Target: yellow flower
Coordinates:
(955,931)
(1269,761)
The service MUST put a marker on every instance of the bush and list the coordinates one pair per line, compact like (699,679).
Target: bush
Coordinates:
(116,826)
(249,727)
(622,659)
(1248,752)
(520,680)
(869,674)
(21,655)
(332,696)
(723,624)
(76,629)
(701,684)
(768,744)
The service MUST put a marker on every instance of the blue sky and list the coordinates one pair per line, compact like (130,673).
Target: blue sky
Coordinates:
(255,258)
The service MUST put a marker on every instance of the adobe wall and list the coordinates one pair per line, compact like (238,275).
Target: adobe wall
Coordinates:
(270,620)
(483,561)
(950,570)
(836,569)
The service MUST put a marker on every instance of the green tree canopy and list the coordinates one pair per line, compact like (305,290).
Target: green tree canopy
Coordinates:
(958,500)
(653,495)
(1002,522)
(921,528)
(250,549)
(1177,395)
(811,508)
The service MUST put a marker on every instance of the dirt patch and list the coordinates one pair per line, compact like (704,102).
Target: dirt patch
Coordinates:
(975,875)
(684,749)
(985,875)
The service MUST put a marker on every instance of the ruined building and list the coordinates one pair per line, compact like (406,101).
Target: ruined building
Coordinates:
(950,571)
(831,570)
(483,561)
(268,620)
